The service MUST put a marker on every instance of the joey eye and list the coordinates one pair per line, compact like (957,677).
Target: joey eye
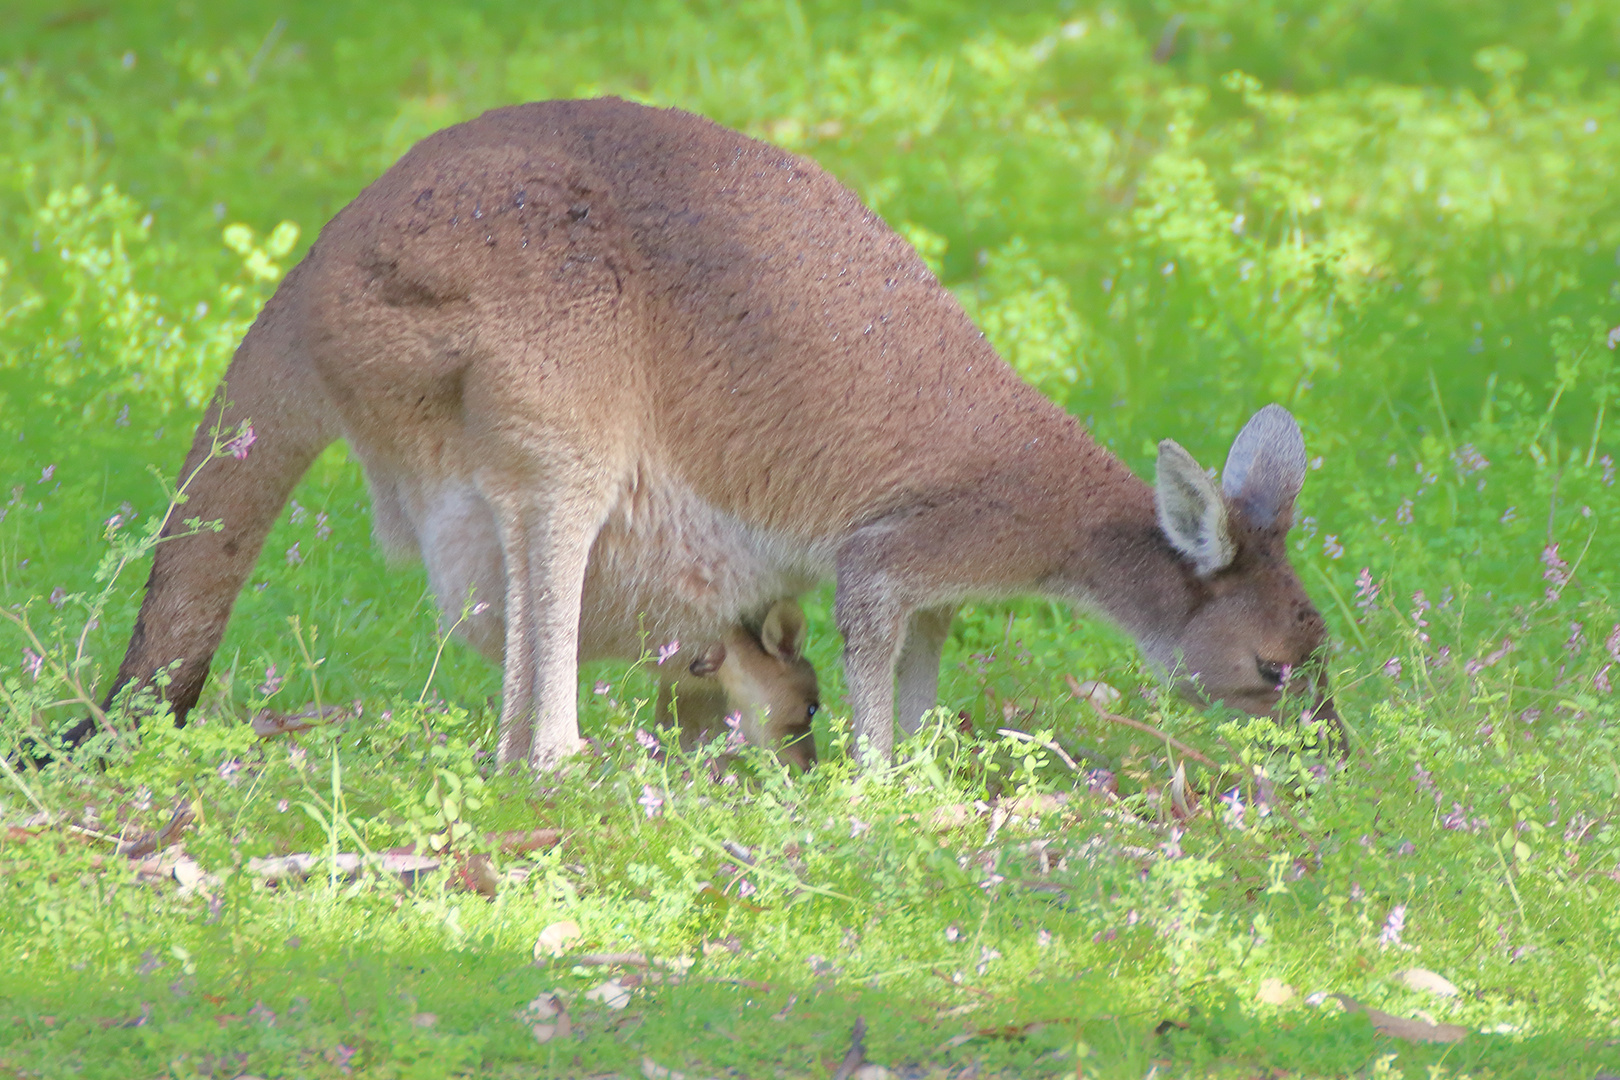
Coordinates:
(1273,673)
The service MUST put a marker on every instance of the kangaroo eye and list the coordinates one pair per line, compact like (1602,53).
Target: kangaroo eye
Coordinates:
(1272,672)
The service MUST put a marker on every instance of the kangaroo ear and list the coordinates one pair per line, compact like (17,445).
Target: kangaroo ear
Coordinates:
(783,632)
(1191,512)
(709,660)
(1265,468)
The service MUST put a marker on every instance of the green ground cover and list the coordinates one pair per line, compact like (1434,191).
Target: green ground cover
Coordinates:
(1398,219)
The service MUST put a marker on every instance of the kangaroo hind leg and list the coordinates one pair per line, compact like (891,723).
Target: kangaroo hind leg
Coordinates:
(546,539)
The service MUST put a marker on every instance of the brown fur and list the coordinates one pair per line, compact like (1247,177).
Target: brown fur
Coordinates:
(639,341)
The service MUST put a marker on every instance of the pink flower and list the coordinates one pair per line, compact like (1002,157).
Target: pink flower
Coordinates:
(1557,572)
(734,736)
(1366,589)
(243,442)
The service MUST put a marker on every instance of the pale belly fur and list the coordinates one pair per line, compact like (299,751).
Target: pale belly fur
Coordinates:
(666,565)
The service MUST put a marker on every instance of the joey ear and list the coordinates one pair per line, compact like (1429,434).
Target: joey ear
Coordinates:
(1265,468)
(783,632)
(709,660)
(1191,511)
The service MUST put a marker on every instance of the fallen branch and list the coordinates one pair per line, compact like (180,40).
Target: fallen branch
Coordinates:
(855,1056)
(142,846)
(1169,740)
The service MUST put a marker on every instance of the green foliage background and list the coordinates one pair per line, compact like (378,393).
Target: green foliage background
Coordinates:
(1397,218)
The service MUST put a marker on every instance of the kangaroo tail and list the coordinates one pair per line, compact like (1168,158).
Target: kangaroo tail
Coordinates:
(195,579)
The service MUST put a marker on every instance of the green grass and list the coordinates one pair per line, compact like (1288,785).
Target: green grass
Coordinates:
(1398,219)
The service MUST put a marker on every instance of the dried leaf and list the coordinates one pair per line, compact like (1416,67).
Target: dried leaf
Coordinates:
(1274,992)
(477,873)
(612,993)
(546,1017)
(554,939)
(1183,804)
(1426,981)
(651,1070)
(1096,692)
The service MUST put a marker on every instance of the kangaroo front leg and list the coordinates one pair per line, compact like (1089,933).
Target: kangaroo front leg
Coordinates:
(918,668)
(871,616)
(545,545)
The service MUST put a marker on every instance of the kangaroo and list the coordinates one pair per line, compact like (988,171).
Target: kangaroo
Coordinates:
(695,368)
(762,678)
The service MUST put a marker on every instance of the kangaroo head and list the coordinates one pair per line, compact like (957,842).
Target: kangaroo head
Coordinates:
(1252,638)
(768,682)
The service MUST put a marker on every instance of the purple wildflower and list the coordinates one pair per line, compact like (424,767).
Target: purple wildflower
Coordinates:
(239,446)
(1557,572)
(1234,808)
(1393,927)
(1366,589)
(1469,460)
(734,735)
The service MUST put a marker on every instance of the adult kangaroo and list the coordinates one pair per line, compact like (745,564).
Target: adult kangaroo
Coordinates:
(592,323)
